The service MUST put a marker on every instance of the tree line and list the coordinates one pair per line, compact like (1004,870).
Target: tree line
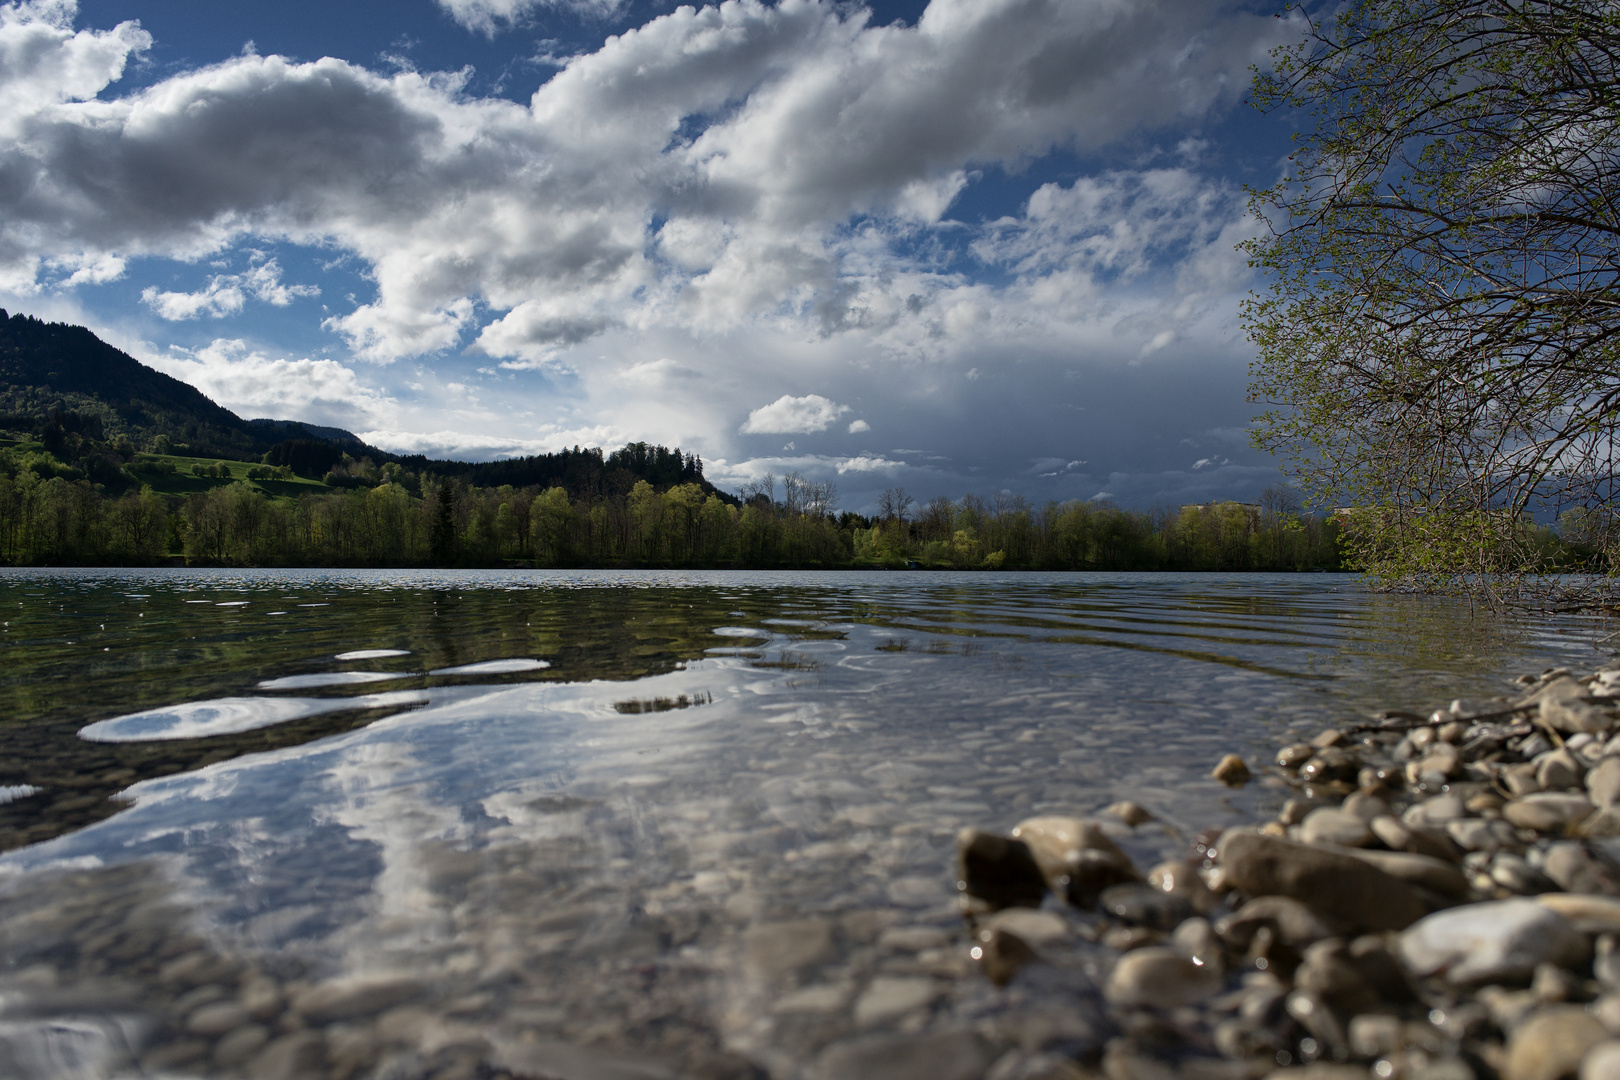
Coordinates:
(379,517)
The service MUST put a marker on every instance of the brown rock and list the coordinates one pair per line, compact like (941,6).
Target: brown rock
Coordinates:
(1603,782)
(1160,977)
(1076,858)
(1289,922)
(1130,813)
(1000,871)
(1548,811)
(1550,1044)
(1336,885)
(1000,954)
(1231,770)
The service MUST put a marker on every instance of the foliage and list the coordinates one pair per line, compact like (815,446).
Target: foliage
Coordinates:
(1438,344)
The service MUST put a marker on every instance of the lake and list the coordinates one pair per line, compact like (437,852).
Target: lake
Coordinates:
(622,825)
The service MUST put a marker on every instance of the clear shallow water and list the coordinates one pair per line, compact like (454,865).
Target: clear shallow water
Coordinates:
(711,836)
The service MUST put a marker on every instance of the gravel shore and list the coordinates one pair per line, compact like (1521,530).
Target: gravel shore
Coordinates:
(1439,899)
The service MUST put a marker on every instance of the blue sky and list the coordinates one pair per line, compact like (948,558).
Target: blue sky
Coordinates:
(966,245)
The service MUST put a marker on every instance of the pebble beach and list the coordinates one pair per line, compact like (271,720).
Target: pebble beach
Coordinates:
(1438,899)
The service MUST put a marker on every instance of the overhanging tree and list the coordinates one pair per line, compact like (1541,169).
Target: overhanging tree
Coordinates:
(1439,340)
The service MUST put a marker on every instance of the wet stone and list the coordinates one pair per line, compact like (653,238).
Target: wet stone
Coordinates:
(889,998)
(777,948)
(1130,813)
(1143,905)
(999,870)
(1337,886)
(1232,770)
(1160,977)
(948,1056)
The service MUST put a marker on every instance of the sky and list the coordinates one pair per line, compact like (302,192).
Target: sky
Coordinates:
(961,246)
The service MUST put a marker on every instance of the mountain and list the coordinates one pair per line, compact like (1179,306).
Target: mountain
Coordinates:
(54,370)
(82,397)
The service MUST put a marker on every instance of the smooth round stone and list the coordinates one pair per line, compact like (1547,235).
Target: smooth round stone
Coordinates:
(1002,872)
(1289,921)
(216,1019)
(1330,825)
(355,997)
(1438,874)
(1036,927)
(1499,941)
(1603,782)
(1143,905)
(1559,770)
(1575,869)
(1130,813)
(1183,879)
(1548,811)
(1481,834)
(1292,757)
(240,1045)
(1602,1061)
(1550,1044)
(1514,874)
(956,1055)
(1364,806)
(1336,885)
(889,998)
(1232,770)
(1160,977)
(1588,914)
(777,948)
(1435,812)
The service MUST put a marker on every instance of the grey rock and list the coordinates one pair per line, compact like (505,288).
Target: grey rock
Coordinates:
(1435,812)
(240,1045)
(1076,857)
(1602,1061)
(1143,905)
(1330,825)
(1481,834)
(1437,874)
(1560,770)
(1364,806)
(1498,941)
(1338,886)
(1288,920)
(354,997)
(1572,715)
(1588,914)
(1576,869)
(955,1055)
(777,948)
(1513,873)
(891,997)
(216,1019)
(1603,782)
(1550,1044)
(1548,811)
(1160,977)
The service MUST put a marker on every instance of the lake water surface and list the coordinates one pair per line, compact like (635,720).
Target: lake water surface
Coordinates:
(620,825)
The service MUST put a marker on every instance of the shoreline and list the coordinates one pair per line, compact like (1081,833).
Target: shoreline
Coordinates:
(1439,899)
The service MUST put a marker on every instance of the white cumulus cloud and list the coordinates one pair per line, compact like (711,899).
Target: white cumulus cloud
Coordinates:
(789,415)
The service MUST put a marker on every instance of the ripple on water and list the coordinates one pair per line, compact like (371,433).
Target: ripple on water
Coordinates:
(332,678)
(371,654)
(741,631)
(493,667)
(13,792)
(228,716)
